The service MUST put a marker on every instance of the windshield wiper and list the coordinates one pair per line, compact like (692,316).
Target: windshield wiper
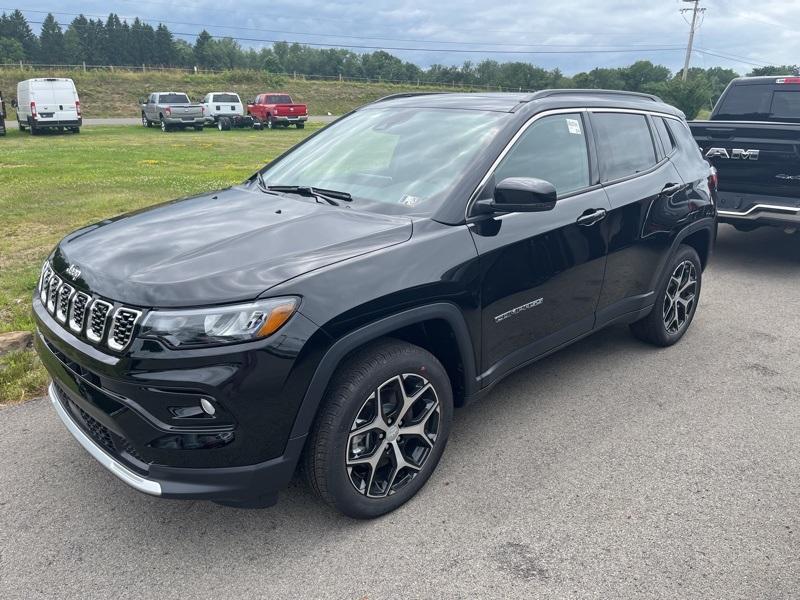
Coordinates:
(329,196)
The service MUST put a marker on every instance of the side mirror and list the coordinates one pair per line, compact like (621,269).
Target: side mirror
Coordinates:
(519,194)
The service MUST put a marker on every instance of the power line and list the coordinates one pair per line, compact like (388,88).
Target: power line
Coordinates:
(415,49)
(336,35)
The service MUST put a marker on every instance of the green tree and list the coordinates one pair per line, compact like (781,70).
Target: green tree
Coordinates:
(11,51)
(690,95)
(643,73)
(51,41)
(775,70)
(15,27)
(163,46)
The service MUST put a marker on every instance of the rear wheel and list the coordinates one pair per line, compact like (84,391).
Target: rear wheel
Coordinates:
(146,122)
(198,128)
(75,129)
(34,130)
(270,124)
(224,124)
(676,302)
(381,430)
(164,126)
(301,125)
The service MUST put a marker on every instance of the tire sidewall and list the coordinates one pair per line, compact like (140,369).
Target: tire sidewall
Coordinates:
(348,499)
(683,253)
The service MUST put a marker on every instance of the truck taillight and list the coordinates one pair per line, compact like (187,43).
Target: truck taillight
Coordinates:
(33,109)
(168,110)
(78,107)
(788,80)
(713,179)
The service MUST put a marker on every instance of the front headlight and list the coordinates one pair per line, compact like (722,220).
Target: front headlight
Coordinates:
(219,324)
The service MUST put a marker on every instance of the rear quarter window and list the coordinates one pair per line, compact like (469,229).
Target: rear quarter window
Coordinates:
(624,144)
(667,141)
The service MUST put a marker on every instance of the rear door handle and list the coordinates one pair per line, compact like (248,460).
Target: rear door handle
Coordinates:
(591,217)
(671,188)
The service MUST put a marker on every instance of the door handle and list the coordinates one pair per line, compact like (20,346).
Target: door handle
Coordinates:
(591,217)
(671,188)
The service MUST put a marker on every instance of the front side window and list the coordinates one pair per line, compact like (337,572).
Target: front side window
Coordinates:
(398,160)
(554,149)
(624,144)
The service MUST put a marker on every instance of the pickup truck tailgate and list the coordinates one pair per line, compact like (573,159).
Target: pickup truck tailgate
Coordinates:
(753,159)
(290,110)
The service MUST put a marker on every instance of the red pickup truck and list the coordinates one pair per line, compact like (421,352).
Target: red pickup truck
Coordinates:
(274,109)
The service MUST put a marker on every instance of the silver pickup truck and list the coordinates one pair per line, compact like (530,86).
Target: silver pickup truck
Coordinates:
(172,110)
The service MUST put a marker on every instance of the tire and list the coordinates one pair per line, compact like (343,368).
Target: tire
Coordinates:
(746,227)
(198,128)
(34,130)
(146,122)
(386,373)
(676,302)
(75,130)
(301,125)
(164,127)
(270,124)
(224,124)
(21,126)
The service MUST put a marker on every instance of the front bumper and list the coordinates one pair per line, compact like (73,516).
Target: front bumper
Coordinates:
(235,484)
(118,407)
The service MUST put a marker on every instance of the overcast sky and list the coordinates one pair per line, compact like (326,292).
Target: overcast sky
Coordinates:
(754,31)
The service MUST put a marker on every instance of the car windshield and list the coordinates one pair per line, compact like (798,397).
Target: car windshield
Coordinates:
(404,160)
(173,99)
(226,98)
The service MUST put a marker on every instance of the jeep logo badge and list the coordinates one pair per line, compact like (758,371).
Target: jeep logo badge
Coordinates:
(73,271)
(736,153)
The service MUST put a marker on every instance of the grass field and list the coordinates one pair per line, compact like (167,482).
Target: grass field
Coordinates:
(107,94)
(52,184)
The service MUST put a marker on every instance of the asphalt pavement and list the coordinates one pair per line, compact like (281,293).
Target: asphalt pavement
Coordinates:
(608,470)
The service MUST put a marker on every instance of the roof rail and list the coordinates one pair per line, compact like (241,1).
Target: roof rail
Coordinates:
(403,95)
(598,92)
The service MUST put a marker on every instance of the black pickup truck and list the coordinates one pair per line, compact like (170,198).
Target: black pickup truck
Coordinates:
(753,139)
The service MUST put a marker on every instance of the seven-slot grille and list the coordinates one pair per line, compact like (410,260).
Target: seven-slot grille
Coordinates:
(93,318)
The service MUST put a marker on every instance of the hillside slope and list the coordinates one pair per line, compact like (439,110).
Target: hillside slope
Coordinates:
(116,94)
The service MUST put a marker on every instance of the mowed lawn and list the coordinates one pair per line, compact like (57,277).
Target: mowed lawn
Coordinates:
(52,184)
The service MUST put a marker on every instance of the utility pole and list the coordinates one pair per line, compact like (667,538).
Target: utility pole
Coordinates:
(695,10)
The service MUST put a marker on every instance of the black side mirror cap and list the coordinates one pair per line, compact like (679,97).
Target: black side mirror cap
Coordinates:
(519,194)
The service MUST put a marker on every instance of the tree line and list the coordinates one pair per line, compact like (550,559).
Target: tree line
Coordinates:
(119,43)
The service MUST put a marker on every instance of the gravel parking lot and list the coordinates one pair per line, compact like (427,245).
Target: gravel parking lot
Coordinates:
(609,470)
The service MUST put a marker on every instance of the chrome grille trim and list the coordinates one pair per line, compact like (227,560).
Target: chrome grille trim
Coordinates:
(98,320)
(65,293)
(77,311)
(44,282)
(122,324)
(101,322)
(52,292)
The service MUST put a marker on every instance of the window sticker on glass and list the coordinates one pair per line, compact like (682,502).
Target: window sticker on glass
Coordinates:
(573,126)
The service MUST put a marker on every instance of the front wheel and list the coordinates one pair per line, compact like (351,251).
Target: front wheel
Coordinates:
(676,302)
(146,122)
(381,429)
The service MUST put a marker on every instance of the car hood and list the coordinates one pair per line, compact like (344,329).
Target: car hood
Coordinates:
(221,247)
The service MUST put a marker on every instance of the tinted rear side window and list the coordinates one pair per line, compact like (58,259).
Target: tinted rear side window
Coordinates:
(666,137)
(624,144)
(683,135)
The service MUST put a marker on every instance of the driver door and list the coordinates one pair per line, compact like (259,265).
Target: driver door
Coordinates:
(542,272)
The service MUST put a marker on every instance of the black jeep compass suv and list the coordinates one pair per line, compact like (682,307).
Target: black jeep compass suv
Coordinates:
(335,308)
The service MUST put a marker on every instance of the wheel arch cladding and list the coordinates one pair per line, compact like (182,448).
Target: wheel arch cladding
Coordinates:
(439,328)
(701,242)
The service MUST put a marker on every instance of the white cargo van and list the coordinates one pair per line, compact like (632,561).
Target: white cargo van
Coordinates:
(48,103)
